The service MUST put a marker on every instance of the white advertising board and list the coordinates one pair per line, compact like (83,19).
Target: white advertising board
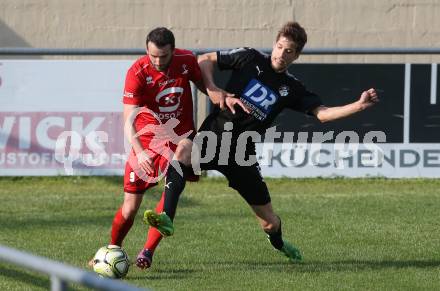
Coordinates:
(42,99)
(352,160)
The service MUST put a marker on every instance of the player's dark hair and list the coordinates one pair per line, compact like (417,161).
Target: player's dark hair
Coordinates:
(161,37)
(295,32)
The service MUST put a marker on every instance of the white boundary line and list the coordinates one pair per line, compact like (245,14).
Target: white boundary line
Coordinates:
(406,103)
(433,84)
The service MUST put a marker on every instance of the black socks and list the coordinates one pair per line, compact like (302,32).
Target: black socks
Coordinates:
(174,185)
(275,238)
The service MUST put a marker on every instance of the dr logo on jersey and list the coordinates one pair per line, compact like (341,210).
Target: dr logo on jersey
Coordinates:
(261,97)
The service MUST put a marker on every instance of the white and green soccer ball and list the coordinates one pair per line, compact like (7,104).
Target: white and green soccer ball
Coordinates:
(111,262)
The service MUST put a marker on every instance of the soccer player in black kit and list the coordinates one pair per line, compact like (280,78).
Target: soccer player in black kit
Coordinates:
(259,89)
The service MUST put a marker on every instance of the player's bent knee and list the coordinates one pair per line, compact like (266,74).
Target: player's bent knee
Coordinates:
(131,205)
(129,212)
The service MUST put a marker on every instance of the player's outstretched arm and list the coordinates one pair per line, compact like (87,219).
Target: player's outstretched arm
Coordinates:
(367,99)
(218,96)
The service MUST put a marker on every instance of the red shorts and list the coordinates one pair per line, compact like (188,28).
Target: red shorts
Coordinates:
(136,181)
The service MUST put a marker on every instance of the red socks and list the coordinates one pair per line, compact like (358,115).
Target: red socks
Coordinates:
(120,228)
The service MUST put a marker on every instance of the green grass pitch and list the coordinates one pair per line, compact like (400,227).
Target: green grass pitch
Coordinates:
(355,234)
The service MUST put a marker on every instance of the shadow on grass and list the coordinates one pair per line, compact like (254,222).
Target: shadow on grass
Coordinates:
(24,277)
(172,270)
(353,265)
(335,266)
(162,274)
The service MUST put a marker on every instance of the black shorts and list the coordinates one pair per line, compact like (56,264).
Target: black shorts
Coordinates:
(247,180)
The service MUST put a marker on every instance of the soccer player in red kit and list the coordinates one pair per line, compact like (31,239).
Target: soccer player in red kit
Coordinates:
(158,112)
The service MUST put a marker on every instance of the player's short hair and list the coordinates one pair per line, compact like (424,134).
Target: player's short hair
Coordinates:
(294,31)
(161,36)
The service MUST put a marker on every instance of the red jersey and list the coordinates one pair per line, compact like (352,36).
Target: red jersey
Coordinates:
(167,93)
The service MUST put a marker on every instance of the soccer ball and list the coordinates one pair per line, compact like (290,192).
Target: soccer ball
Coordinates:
(111,261)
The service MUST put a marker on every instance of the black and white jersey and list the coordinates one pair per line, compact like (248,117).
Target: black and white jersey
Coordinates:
(263,90)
